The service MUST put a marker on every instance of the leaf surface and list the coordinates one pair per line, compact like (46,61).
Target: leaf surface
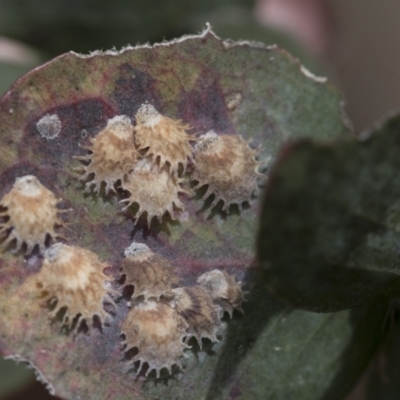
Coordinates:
(260,93)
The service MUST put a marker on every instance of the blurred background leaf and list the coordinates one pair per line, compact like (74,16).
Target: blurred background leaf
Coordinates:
(330,225)
(282,353)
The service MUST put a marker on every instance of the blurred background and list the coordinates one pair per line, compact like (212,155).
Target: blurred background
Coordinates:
(350,42)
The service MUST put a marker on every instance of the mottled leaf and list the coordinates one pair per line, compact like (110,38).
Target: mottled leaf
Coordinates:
(329,238)
(260,93)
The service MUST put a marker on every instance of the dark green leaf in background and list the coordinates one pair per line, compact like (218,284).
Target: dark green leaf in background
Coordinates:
(286,354)
(330,230)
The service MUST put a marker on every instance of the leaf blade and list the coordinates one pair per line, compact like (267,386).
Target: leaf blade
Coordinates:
(276,102)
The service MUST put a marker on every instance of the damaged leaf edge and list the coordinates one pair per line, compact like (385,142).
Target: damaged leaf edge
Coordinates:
(226,43)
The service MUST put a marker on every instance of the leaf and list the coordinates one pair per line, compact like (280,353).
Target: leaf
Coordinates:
(381,381)
(295,354)
(329,237)
(260,93)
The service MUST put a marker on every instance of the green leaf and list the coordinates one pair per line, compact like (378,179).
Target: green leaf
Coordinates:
(329,236)
(282,353)
(260,93)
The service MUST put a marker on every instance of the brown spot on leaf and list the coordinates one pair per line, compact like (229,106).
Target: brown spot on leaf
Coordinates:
(134,87)
(88,114)
(204,107)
